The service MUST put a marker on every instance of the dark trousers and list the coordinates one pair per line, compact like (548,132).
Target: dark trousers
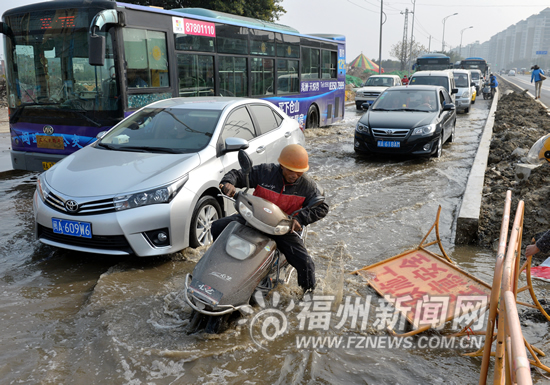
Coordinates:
(291,245)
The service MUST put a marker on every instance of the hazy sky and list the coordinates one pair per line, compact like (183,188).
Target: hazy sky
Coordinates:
(359,20)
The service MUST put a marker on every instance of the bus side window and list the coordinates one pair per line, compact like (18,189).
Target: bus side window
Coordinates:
(146,58)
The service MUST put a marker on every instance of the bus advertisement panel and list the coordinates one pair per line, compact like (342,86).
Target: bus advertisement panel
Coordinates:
(75,69)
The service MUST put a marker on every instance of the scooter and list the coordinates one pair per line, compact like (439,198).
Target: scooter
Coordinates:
(242,260)
(487,91)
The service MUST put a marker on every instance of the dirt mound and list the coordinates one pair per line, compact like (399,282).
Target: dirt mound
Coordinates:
(519,122)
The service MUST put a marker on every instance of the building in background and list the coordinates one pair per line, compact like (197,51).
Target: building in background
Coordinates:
(520,45)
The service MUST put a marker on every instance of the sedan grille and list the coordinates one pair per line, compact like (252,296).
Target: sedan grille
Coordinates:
(371,94)
(101,206)
(390,133)
(100,242)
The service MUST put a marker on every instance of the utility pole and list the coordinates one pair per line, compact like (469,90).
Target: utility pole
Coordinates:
(412,39)
(380,44)
(404,44)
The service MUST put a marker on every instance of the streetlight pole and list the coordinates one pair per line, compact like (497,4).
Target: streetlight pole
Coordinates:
(461,32)
(380,43)
(412,40)
(443,39)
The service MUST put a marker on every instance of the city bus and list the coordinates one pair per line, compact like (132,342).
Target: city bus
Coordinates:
(75,68)
(432,61)
(475,63)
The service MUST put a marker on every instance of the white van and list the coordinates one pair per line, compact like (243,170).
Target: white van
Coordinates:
(442,78)
(374,86)
(464,84)
(477,79)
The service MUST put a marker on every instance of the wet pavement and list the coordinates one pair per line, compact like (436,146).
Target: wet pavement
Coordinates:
(71,317)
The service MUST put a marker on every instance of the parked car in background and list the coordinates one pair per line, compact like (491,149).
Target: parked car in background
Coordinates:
(464,84)
(413,120)
(512,73)
(149,186)
(443,78)
(374,86)
(477,79)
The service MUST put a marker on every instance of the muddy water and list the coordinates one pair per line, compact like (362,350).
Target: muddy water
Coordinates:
(77,318)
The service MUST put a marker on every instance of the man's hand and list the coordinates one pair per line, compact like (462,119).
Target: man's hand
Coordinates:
(228,189)
(531,250)
(296,226)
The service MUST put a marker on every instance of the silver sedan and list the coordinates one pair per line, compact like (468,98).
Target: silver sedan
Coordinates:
(149,186)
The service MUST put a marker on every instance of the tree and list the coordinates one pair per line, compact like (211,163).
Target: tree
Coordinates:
(268,10)
(396,51)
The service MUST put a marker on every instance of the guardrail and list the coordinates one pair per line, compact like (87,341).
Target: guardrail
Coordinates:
(511,363)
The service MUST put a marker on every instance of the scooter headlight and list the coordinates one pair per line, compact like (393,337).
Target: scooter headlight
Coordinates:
(283,227)
(245,211)
(238,248)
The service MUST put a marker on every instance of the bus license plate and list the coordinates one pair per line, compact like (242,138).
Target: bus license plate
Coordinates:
(388,143)
(47,165)
(73,228)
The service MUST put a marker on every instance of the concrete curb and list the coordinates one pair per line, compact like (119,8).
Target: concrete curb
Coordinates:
(468,217)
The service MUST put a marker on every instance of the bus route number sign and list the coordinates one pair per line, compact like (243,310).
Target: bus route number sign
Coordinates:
(193,27)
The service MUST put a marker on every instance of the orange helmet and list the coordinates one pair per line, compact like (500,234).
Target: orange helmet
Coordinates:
(295,158)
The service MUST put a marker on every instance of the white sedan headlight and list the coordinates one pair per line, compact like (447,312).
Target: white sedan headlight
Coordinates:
(424,130)
(42,187)
(163,194)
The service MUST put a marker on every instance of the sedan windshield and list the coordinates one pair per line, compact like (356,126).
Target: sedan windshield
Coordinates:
(407,100)
(378,82)
(163,130)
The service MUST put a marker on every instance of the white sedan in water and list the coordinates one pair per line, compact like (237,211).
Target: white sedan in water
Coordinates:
(150,185)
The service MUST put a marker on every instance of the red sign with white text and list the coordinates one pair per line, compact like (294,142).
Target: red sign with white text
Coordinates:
(199,28)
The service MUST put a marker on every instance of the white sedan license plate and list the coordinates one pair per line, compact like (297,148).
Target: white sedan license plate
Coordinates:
(388,143)
(73,228)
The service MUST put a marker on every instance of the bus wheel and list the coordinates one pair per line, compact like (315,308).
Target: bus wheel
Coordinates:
(312,117)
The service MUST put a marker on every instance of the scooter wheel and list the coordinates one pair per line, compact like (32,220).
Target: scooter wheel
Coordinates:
(196,323)
(216,324)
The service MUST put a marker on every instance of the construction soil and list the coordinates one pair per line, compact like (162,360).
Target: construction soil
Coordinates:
(519,122)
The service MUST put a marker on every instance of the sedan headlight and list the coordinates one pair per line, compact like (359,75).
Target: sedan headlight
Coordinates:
(362,128)
(163,194)
(42,187)
(424,130)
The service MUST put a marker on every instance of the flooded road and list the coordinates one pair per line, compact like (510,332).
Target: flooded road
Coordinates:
(78,318)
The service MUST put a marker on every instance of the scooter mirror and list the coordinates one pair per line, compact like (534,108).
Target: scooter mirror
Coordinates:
(245,162)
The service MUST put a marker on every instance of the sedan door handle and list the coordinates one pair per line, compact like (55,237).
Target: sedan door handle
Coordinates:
(260,149)
(287,134)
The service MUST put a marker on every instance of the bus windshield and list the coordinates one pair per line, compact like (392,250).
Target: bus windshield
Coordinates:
(47,60)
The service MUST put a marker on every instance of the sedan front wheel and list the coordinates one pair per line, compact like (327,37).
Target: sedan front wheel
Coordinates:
(439,151)
(207,211)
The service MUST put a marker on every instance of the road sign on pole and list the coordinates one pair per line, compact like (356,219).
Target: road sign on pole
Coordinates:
(542,52)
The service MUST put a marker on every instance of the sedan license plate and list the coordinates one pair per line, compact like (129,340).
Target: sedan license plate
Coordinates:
(207,291)
(388,143)
(73,228)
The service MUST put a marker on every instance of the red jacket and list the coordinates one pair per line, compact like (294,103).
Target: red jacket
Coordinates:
(268,182)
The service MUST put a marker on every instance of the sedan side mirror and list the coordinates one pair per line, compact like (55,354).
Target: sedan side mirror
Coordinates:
(449,107)
(235,144)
